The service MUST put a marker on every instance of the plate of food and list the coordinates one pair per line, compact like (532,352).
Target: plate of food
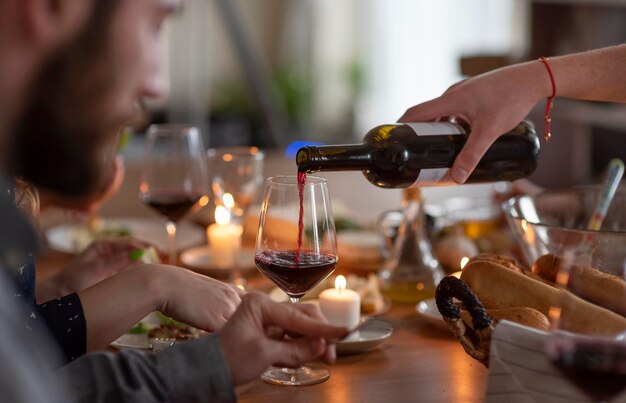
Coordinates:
(75,237)
(155,332)
(372,301)
(360,250)
(200,259)
(367,336)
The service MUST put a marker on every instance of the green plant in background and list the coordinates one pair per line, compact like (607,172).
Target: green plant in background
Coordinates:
(356,76)
(294,88)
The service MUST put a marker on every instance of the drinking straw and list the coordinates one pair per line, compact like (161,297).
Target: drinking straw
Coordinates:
(614,176)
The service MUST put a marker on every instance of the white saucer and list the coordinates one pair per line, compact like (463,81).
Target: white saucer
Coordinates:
(366,337)
(200,258)
(428,311)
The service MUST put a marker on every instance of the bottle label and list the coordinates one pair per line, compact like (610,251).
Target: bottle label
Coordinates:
(435,176)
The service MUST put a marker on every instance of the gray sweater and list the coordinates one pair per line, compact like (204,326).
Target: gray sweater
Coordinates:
(187,372)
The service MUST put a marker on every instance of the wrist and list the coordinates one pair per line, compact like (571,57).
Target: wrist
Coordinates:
(539,80)
(161,280)
(50,289)
(156,280)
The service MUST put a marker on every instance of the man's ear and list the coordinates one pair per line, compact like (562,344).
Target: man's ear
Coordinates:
(49,22)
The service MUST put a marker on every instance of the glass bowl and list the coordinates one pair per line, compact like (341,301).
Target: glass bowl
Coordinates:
(555,221)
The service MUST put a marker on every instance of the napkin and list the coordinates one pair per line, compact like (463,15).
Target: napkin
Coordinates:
(520,371)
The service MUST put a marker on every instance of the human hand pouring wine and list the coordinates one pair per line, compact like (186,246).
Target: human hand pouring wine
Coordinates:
(296,264)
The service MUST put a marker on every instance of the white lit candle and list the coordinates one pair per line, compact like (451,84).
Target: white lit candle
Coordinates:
(224,239)
(341,306)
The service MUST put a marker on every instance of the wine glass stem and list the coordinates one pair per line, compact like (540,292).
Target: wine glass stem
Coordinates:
(170,226)
(294,300)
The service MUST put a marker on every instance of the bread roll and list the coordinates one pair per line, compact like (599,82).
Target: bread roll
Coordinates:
(601,288)
(499,287)
(523,315)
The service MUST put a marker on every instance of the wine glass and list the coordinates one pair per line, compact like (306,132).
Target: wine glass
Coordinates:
(174,175)
(589,352)
(236,175)
(296,263)
(237,171)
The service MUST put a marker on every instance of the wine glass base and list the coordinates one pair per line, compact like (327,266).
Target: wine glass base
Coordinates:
(309,374)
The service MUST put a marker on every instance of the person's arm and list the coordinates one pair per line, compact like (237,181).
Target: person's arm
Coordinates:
(114,305)
(100,260)
(191,371)
(207,369)
(494,102)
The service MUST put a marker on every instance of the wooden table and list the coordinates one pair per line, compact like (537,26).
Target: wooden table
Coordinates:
(418,363)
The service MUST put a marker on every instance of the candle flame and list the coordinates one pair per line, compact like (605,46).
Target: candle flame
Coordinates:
(464,261)
(222,215)
(229,201)
(204,200)
(170,228)
(340,283)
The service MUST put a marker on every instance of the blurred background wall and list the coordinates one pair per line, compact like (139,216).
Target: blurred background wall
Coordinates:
(270,72)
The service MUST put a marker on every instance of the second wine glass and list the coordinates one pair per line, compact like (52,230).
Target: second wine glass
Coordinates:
(174,177)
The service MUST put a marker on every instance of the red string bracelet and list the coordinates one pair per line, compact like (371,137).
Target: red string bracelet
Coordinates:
(550,100)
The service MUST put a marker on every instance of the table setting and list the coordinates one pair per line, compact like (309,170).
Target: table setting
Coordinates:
(248,235)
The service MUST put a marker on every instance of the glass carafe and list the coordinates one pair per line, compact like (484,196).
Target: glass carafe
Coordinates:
(410,273)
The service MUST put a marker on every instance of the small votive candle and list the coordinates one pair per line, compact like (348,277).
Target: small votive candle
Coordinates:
(341,306)
(464,261)
(224,239)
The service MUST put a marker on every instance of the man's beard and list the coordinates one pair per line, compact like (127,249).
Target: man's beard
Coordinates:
(60,142)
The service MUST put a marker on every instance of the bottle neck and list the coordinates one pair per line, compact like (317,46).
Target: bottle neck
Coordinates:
(348,157)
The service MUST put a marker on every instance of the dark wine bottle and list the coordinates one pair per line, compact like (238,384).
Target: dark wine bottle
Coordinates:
(400,155)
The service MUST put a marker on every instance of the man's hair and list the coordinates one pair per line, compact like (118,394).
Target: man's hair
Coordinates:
(57,144)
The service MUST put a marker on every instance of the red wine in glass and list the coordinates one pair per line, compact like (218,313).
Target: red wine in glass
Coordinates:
(171,204)
(174,174)
(295,272)
(597,367)
(301,181)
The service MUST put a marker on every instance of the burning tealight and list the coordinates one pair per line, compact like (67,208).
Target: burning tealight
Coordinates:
(224,239)
(464,261)
(341,306)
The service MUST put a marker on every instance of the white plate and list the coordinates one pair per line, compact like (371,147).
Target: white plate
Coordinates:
(73,238)
(200,258)
(132,341)
(428,311)
(366,337)
(138,341)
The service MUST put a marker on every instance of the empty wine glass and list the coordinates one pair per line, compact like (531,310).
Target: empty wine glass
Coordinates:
(296,263)
(237,171)
(236,175)
(174,175)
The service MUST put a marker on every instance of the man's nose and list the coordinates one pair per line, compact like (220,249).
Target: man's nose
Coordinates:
(155,85)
